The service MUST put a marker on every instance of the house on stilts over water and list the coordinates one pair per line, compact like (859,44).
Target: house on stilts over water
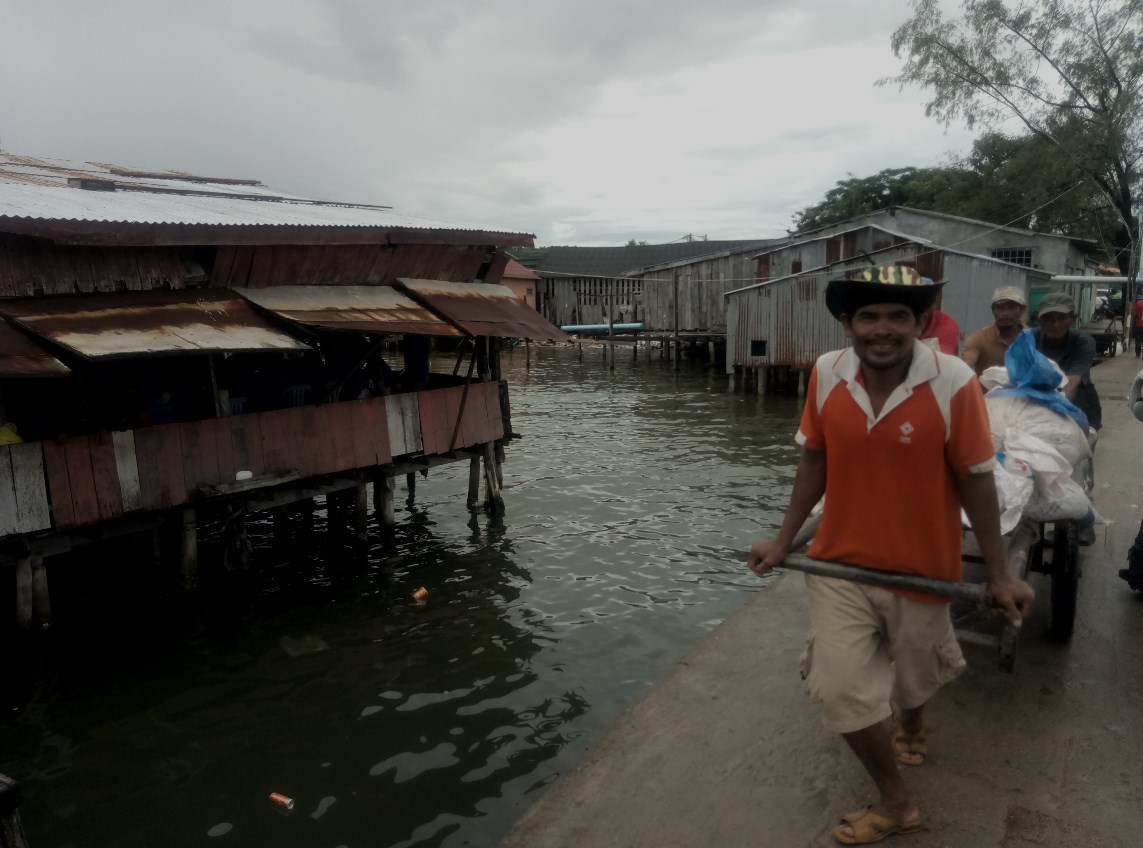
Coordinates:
(178,350)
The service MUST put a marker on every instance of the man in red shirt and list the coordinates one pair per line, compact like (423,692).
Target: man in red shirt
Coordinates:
(1137,324)
(895,435)
(942,332)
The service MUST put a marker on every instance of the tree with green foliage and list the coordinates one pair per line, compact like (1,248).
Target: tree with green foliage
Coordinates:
(937,189)
(1069,71)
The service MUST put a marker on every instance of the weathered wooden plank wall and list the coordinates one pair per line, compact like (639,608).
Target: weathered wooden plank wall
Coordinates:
(28,269)
(89,479)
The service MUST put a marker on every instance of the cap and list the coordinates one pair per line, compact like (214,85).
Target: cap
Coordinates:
(1057,302)
(881,284)
(1009,293)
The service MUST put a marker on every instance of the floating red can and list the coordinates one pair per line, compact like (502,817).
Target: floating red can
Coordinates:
(280,800)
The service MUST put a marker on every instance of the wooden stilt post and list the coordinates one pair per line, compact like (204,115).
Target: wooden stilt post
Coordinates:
(24,593)
(411,485)
(527,353)
(499,465)
(383,501)
(41,601)
(492,500)
(188,548)
(474,483)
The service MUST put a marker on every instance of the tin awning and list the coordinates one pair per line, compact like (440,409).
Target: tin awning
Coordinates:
(150,323)
(361,309)
(22,357)
(483,309)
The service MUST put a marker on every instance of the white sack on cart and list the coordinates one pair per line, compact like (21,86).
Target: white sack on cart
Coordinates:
(1011,417)
(1014,485)
(1016,433)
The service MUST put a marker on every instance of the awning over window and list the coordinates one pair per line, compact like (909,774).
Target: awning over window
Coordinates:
(361,309)
(22,357)
(151,323)
(483,309)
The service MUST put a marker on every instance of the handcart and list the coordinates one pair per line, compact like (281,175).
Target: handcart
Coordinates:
(1051,548)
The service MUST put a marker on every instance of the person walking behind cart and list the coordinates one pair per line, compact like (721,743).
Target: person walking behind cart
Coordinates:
(986,347)
(896,436)
(1071,349)
(1137,324)
(1133,574)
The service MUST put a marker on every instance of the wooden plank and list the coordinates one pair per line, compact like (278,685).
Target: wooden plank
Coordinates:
(9,519)
(198,443)
(59,486)
(246,444)
(171,438)
(106,476)
(403,414)
(30,484)
(429,407)
(492,411)
(316,424)
(224,448)
(85,504)
(276,444)
(159,453)
(341,435)
(370,433)
(127,470)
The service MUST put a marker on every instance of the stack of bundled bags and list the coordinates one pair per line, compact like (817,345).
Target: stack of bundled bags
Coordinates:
(1041,441)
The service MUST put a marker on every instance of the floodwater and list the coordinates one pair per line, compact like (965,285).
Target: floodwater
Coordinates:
(630,502)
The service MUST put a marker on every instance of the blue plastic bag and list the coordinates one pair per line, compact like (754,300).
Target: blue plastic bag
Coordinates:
(1035,376)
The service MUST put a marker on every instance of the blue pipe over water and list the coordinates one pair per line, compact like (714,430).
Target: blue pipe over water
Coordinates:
(601,328)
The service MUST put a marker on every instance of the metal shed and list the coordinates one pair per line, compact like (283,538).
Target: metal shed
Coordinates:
(784,322)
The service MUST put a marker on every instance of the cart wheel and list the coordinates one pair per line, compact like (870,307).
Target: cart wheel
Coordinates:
(1065,580)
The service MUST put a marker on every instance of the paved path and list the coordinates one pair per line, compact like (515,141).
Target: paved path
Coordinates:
(726,751)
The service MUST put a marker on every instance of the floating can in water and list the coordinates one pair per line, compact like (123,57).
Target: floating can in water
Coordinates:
(420,594)
(280,800)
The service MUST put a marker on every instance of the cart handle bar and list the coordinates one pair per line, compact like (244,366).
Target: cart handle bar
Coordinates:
(887,579)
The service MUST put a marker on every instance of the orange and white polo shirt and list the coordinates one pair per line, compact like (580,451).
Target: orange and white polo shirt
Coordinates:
(891,500)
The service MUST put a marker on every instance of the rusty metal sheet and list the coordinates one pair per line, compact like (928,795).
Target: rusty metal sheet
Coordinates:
(483,309)
(150,323)
(361,309)
(22,357)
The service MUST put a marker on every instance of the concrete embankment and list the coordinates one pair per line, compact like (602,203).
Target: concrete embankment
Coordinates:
(727,751)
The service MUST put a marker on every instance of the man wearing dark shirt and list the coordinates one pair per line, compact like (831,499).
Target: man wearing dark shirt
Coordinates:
(1071,349)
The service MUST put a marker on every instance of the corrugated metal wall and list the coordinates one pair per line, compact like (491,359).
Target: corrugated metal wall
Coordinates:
(701,288)
(789,319)
(584,300)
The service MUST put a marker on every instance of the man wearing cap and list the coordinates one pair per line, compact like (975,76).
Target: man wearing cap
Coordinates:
(987,346)
(1072,350)
(895,436)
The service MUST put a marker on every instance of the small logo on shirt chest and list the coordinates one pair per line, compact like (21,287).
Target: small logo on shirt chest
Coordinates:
(906,432)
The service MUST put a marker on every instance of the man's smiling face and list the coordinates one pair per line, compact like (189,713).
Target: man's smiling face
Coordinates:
(882,334)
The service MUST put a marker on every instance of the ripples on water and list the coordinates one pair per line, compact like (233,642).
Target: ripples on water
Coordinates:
(630,503)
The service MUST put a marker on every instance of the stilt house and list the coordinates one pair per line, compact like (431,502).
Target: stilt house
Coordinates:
(177,348)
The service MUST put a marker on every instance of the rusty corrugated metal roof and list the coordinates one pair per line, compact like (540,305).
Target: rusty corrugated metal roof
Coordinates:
(483,309)
(36,189)
(366,309)
(150,323)
(22,357)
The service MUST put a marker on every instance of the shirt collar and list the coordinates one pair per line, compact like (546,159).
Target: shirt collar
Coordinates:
(924,367)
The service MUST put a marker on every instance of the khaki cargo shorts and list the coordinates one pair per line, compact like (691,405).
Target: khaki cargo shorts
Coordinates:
(867,646)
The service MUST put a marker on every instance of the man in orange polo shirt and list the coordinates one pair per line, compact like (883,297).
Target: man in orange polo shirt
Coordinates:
(895,436)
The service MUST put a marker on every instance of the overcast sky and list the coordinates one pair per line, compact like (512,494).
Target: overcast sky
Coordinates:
(585,122)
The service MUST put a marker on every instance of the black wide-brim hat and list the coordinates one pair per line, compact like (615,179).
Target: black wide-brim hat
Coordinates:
(881,284)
